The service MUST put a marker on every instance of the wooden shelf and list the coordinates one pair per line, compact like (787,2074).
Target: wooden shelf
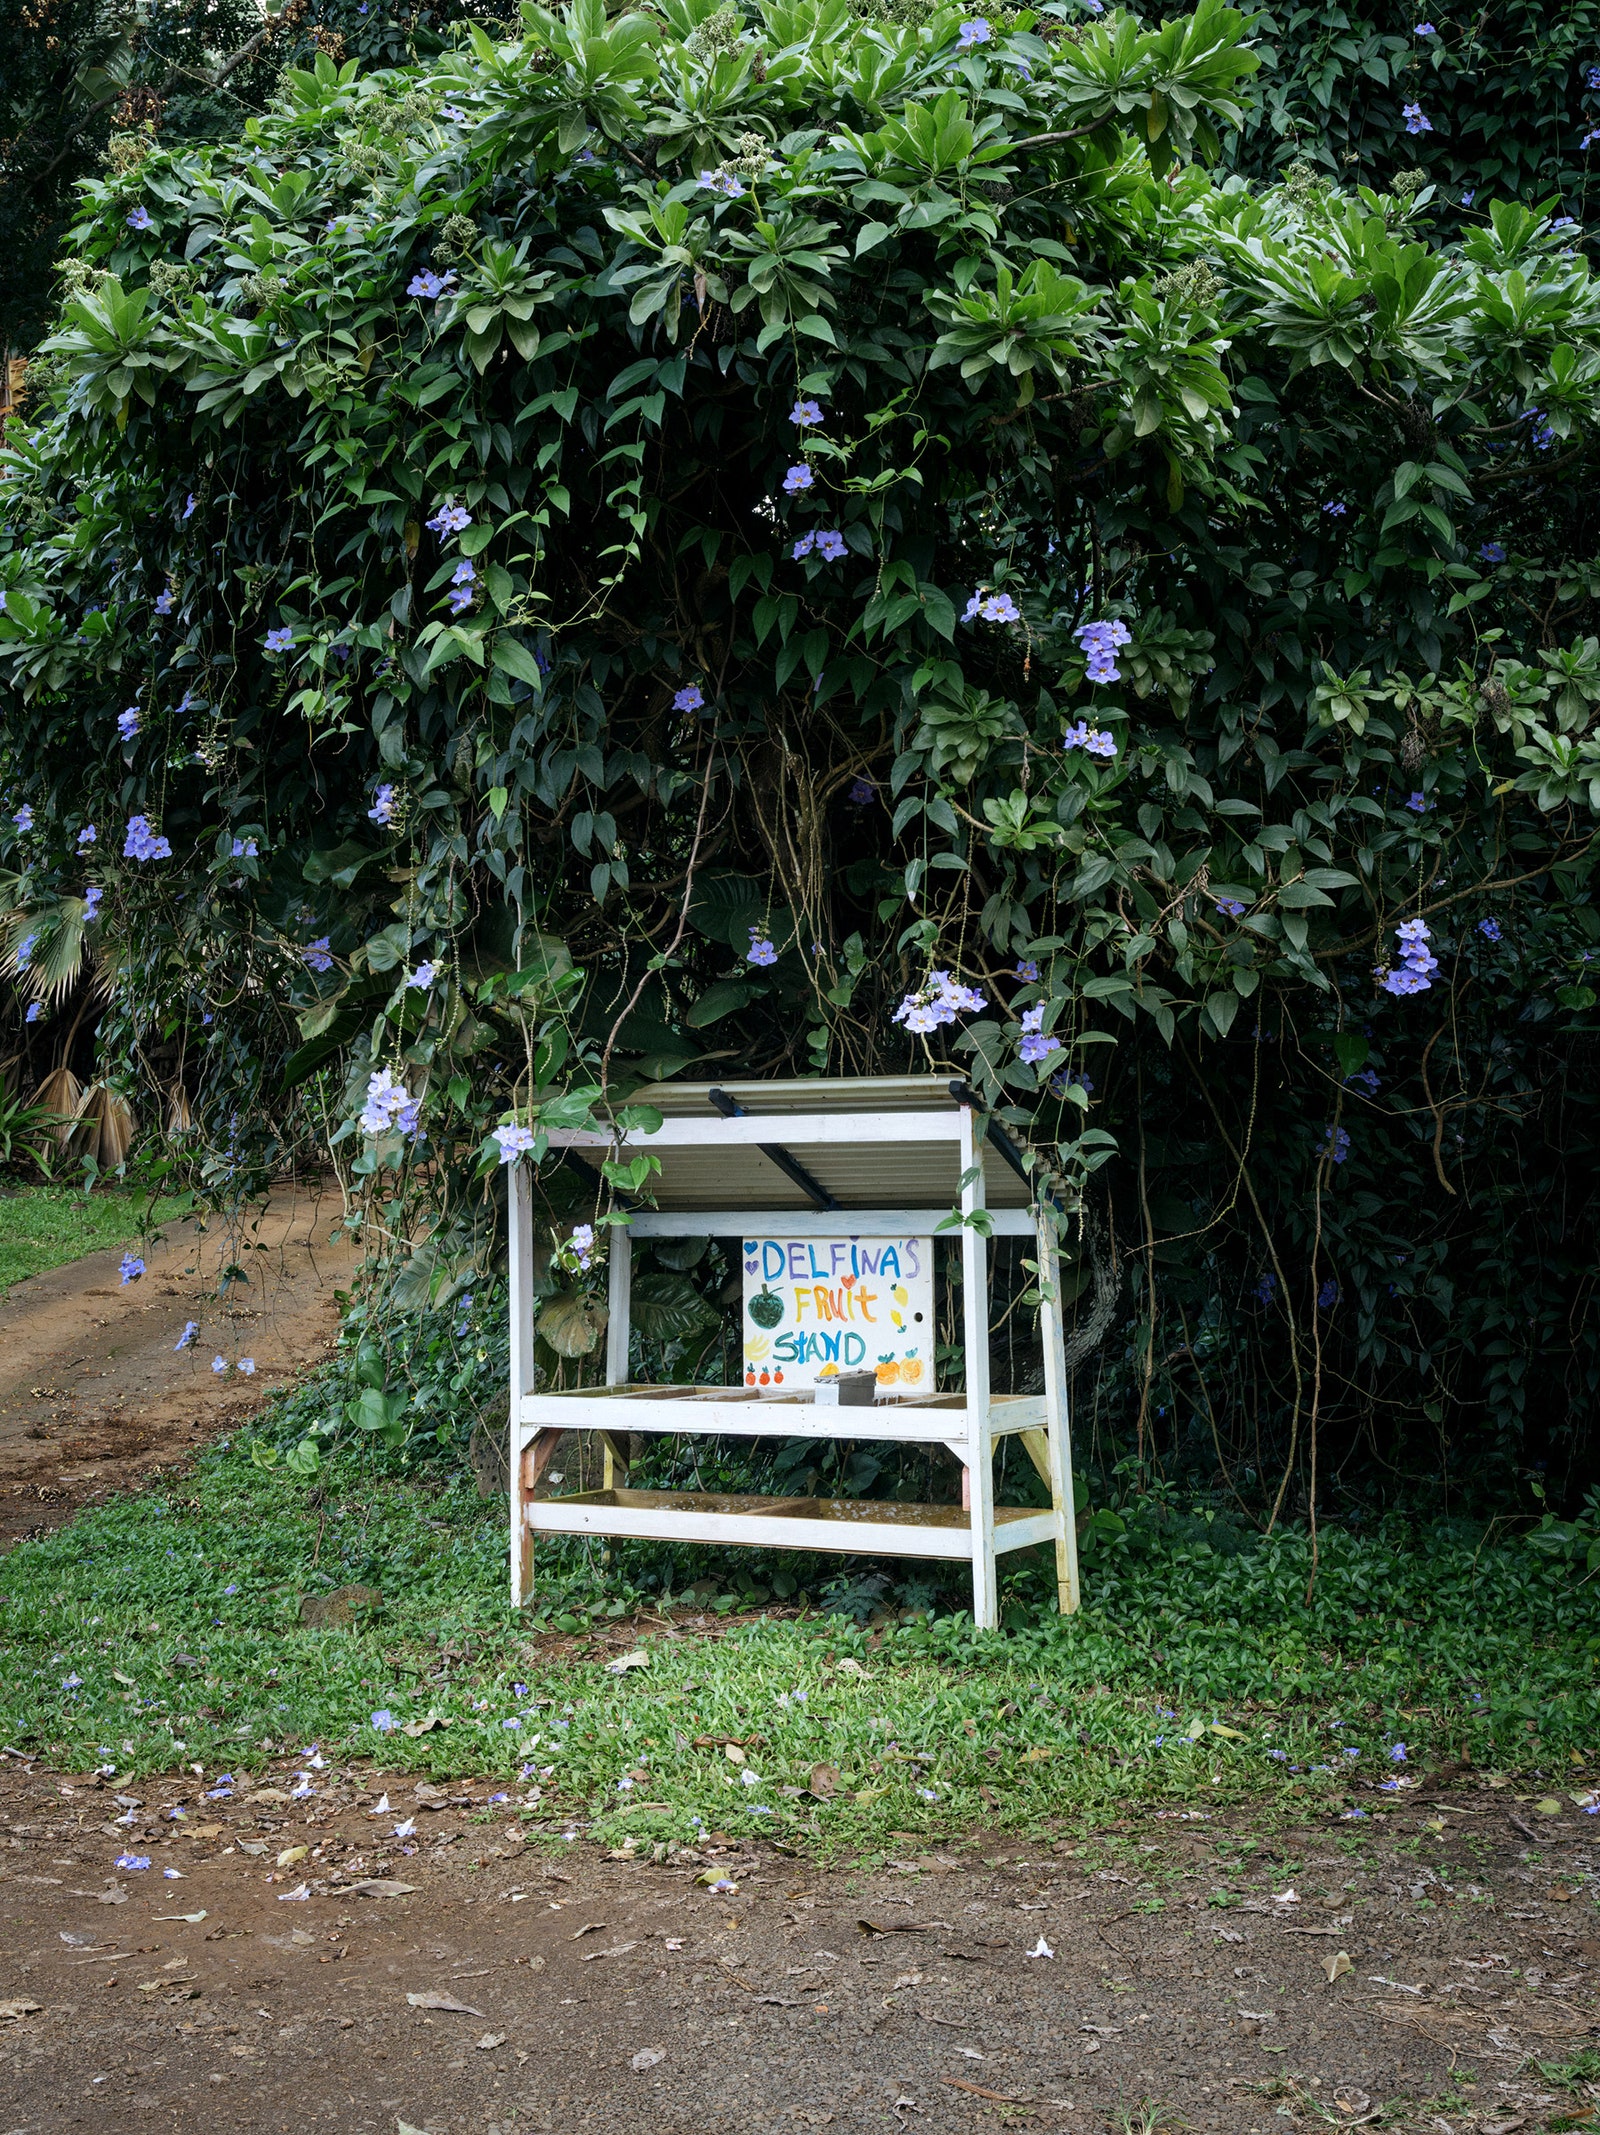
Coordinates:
(735,1412)
(871,1526)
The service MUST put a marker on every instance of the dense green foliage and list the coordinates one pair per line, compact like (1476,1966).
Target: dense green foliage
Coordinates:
(1196,1665)
(595,537)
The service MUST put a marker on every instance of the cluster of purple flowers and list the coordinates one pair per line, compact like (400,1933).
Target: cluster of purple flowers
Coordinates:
(1335,1144)
(425,283)
(1035,1045)
(128,722)
(827,543)
(463,586)
(1541,436)
(383,806)
(992,608)
(760,950)
(390,1107)
(581,1245)
(449,519)
(91,903)
(1335,510)
(141,843)
(318,955)
(246,1365)
(1091,739)
(1100,642)
(1066,1079)
(1416,121)
(190,1329)
(941,1000)
(245,849)
(514,1142)
(1416,961)
(131,1268)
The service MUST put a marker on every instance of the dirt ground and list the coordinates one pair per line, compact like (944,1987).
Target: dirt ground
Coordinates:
(1068,1983)
(93,1394)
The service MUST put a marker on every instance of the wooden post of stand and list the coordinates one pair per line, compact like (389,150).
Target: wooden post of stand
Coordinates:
(522,1380)
(975,1330)
(1058,1427)
(619,1306)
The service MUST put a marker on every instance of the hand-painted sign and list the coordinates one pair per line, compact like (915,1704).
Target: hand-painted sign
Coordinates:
(814,1307)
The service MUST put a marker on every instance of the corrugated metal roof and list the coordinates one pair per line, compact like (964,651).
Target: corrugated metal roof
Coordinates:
(841,1093)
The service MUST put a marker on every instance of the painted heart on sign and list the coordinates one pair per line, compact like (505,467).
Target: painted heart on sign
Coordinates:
(750,1267)
(750,1244)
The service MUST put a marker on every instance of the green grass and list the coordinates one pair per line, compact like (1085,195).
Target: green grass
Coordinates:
(1438,1640)
(42,1226)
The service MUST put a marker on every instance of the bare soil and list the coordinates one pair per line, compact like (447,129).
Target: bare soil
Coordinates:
(613,1992)
(93,1394)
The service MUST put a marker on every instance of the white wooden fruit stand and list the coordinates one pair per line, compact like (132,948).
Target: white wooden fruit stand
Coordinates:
(827,1160)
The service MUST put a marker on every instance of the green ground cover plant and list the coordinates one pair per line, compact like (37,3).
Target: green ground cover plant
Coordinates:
(42,1226)
(165,1629)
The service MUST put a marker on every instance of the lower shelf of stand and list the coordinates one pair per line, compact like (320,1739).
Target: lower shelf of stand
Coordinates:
(877,1527)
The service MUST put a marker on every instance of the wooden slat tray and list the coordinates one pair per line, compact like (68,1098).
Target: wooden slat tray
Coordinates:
(871,1526)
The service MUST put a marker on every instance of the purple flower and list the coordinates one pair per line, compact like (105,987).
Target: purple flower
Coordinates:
(86,836)
(128,722)
(141,843)
(1489,929)
(248,1366)
(992,608)
(1028,971)
(798,478)
(449,519)
(383,806)
(219,1365)
(514,1142)
(938,1002)
(1418,803)
(862,792)
(975,32)
(25,949)
(425,283)
(190,1329)
(830,545)
(422,978)
(1267,1288)
(384,1721)
(1425,29)
(34,1012)
(1231,907)
(805,413)
(245,849)
(1415,121)
(188,509)
(1326,1296)
(1397,1753)
(164,601)
(1099,642)
(132,1862)
(131,1268)
(139,218)
(1335,510)
(91,902)
(1035,1045)
(1335,1144)
(317,954)
(454,113)
(23,819)
(689,699)
(720,181)
(581,1244)
(1491,552)
(760,950)
(279,640)
(1090,739)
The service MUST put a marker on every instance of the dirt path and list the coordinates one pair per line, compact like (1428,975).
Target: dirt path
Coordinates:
(1064,1984)
(93,1394)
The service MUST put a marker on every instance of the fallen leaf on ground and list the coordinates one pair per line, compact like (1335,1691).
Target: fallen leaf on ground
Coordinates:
(1336,1967)
(638,1658)
(621,1949)
(431,1998)
(193,1919)
(849,1667)
(380,1887)
(291,1854)
(297,1896)
(824,1781)
(908,1979)
(1547,1805)
(902,1927)
(14,2009)
(1348,2099)
(733,1753)
(647,2057)
(490,2040)
(960,2083)
(1561,1894)
(591,1927)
